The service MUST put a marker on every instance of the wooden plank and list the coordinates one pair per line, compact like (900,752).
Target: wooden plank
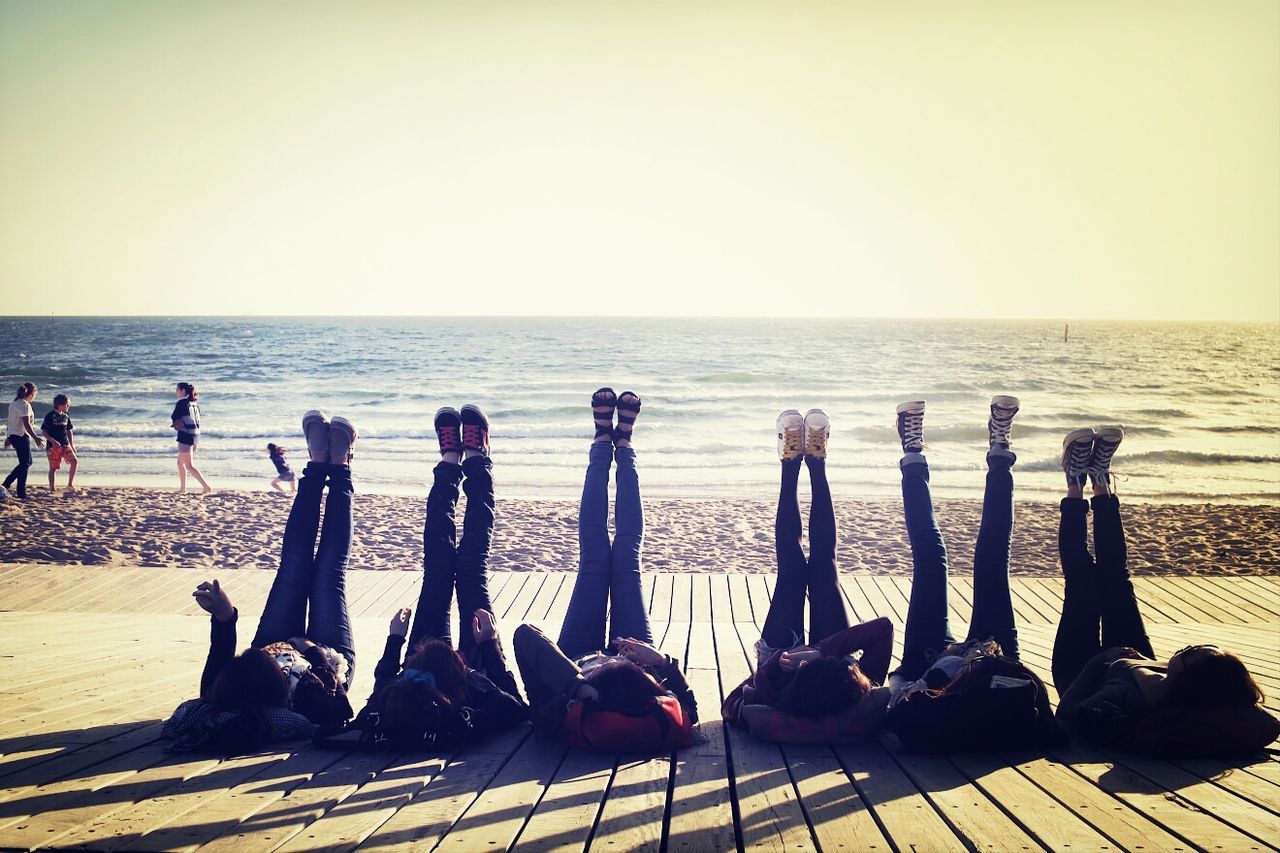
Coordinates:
(568,811)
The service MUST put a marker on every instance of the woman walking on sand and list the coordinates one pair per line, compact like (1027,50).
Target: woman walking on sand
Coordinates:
(186,420)
(292,681)
(21,433)
(815,693)
(623,695)
(976,695)
(1203,701)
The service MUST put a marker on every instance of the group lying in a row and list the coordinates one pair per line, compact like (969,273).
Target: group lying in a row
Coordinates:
(626,696)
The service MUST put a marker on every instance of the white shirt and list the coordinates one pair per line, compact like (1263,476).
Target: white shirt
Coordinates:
(18,410)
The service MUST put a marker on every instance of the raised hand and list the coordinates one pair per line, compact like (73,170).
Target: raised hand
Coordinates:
(792,660)
(213,599)
(400,622)
(638,652)
(483,628)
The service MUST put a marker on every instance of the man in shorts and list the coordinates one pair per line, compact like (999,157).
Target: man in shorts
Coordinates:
(58,430)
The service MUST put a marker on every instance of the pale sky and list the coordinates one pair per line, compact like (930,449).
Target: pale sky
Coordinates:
(948,159)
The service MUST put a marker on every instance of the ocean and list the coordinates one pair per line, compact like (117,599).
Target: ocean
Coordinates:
(1200,403)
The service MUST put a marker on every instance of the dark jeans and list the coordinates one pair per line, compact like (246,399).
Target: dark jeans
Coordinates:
(784,625)
(318,582)
(22,446)
(547,675)
(1098,595)
(608,575)
(447,563)
(928,631)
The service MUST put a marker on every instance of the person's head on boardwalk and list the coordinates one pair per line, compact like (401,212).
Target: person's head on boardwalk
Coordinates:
(437,659)
(1205,676)
(823,686)
(623,685)
(251,683)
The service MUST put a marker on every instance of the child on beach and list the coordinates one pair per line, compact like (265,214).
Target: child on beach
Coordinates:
(626,696)
(186,420)
(1202,701)
(21,434)
(59,434)
(292,681)
(441,697)
(814,693)
(284,474)
(976,695)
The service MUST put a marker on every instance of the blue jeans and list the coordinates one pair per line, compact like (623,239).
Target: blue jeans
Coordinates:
(928,631)
(316,582)
(1098,595)
(21,446)
(608,575)
(784,625)
(446,563)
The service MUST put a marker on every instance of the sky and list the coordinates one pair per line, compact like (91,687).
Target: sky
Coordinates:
(933,159)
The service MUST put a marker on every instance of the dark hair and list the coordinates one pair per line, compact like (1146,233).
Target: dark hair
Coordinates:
(189,389)
(275,448)
(445,665)
(1216,679)
(61,399)
(24,389)
(822,687)
(250,681)
(624,685)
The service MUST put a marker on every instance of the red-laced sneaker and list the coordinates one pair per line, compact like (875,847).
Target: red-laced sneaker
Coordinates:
(448,424)
(475,429)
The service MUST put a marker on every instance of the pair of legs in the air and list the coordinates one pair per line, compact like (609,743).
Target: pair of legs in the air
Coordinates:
(928,631)
(608,573)
(803,440)
(1099,609)
(308,596)
(447,563)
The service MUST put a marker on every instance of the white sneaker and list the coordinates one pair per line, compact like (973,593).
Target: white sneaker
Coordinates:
(4,493)
(790,435)
(817,429)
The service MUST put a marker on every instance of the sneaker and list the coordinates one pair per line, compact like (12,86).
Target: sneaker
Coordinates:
(342,437)
(4,494)
(475,429)
(911,426)
(1002,411)
(790,435)
(817,429)
(315,427)
(448,424)
(1104,447)
(1077,451)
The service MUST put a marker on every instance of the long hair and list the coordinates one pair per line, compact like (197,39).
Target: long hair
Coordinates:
(1216,679)
(822,687)
(189,390)
(444,664)
(251,683)
(24,389)
(624,686)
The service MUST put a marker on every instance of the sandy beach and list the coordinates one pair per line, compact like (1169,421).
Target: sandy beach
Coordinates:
(242,530)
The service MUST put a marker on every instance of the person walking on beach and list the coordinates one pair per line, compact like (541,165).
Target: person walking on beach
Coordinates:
(292,682)
(21,434)
(59,433)
(441,697)
(186,420)
(284,474)
(623,696)
(1202,701)
(947,696)
(811,693)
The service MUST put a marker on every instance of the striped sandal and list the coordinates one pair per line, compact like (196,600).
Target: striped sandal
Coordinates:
(628,411)
(603,403)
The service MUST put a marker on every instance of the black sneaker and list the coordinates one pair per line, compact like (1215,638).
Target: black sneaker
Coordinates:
(1002,411)
(475,429)
(448,424)
(1077,452)
(911,426)
(1105,444)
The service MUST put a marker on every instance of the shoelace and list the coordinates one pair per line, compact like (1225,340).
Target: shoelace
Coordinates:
(815,441)
(449,440)
(793,440)
(1100,463)
(911,428)
(473,435)
(1000,424)
(1078,458)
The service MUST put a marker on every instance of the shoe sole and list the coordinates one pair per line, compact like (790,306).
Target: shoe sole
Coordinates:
(911,406)
(469,407)
(1111,435)
(1003,402)
(446,410)
(1076,436)
(348,427)
(315,416)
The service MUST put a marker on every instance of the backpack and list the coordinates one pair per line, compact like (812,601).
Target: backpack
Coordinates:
(995,704)
(432,726)
(660,726)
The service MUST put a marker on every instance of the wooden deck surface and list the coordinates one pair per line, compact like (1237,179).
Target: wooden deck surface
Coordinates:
(94,659)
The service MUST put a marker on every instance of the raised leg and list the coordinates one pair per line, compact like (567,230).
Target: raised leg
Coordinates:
(285,613)
(928,630)
(1122,623)
(473,551)
(439,556)
(583,629)
(329,622)
(992,603)
(827,611)
(784,624)
(1077,638)
(628,613)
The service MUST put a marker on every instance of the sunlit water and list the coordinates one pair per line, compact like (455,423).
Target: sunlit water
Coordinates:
(1198,402)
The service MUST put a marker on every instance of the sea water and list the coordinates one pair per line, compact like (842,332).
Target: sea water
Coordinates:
(1199,403)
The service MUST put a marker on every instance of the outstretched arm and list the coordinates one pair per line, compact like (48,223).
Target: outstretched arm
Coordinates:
(222,632)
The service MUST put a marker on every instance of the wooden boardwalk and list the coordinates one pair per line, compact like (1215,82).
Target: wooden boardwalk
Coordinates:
(93,659)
